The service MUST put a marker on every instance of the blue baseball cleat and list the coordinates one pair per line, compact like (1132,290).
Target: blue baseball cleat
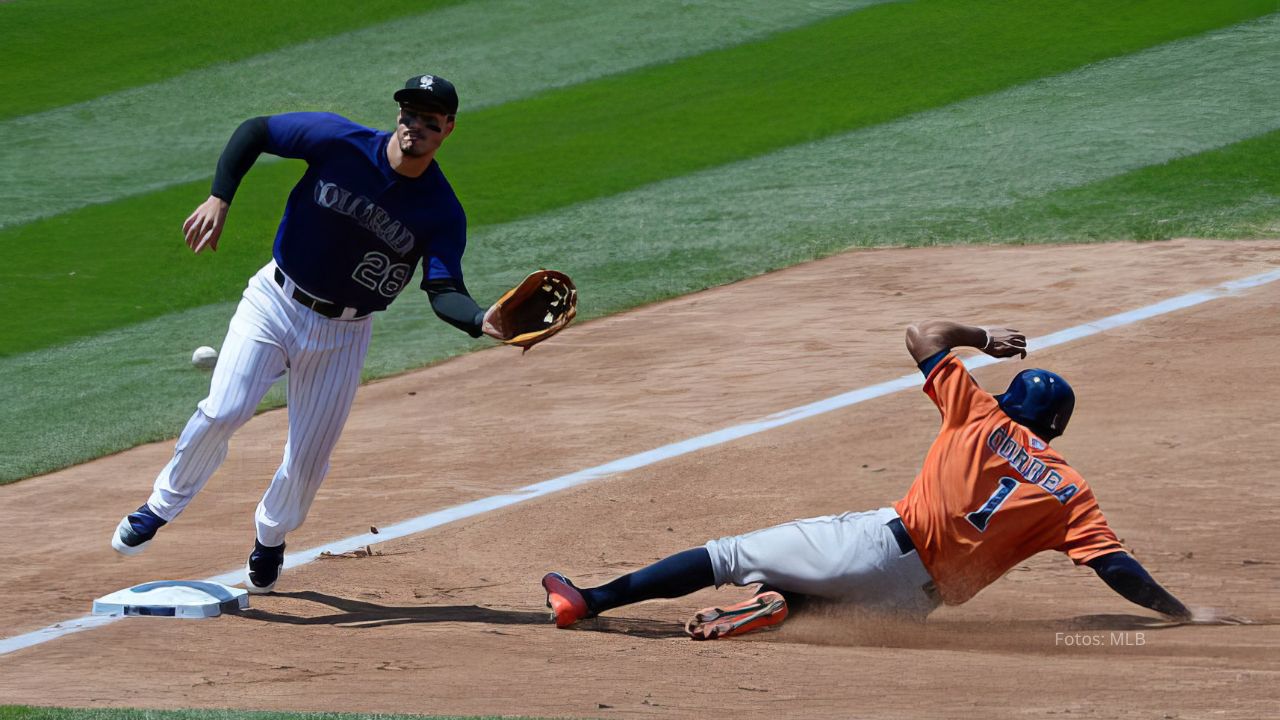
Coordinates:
(136,530)
(263,569)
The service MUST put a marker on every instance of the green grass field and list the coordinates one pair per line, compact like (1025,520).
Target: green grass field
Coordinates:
(602,138)
(64,52)
(743,139)
(164,133)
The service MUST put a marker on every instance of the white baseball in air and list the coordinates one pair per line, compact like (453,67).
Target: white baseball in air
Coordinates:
(204,357)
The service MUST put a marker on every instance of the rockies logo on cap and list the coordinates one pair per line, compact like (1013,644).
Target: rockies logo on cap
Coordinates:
(429,91)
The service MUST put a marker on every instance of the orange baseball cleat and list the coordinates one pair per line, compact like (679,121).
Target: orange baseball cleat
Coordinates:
(566,602)
(762,611)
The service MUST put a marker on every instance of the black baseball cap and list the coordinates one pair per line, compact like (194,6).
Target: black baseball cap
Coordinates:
(429,91)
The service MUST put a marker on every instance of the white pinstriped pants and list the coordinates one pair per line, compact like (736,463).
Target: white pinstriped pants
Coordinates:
(269,334)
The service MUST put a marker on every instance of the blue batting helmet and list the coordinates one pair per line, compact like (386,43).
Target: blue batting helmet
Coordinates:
(1040,400)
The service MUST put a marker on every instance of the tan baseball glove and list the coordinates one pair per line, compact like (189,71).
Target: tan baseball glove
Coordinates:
(542,305)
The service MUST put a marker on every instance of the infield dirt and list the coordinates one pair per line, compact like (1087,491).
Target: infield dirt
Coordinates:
(1175,428)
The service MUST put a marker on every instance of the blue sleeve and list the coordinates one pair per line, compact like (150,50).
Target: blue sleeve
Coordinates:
(928,364)
(1125,575)
(444,258)
(302,135)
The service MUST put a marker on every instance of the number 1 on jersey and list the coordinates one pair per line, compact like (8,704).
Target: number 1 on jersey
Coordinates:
(980,517)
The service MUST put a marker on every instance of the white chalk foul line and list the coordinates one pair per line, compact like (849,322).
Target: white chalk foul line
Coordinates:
(673,450)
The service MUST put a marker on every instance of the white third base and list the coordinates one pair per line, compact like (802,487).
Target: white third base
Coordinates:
(173,598)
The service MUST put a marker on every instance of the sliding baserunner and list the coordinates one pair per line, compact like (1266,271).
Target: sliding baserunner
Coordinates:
(991,494)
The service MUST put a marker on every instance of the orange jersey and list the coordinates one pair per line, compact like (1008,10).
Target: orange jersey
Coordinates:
(992,494)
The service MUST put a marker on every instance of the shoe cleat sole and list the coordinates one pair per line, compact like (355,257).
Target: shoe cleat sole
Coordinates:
(764,610)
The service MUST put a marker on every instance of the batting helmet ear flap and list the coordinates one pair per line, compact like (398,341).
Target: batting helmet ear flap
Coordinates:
(1040,400)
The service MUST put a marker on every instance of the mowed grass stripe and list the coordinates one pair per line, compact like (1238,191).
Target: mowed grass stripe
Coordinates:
(898,183)
(151,137)
(68,51)
(110,265)
(1229,192)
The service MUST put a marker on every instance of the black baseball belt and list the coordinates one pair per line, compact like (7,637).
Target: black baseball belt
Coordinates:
(900,534)
(323,307)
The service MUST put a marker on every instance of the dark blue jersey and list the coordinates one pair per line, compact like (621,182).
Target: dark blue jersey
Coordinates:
(353,229)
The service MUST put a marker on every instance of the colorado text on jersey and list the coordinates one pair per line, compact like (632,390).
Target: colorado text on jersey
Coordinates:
(366,213)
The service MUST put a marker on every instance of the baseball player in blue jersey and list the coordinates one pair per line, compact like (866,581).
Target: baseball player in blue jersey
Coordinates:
(369,208)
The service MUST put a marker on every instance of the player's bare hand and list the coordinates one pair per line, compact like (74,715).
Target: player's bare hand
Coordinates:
(204,226)
(492,325)
(1005,342)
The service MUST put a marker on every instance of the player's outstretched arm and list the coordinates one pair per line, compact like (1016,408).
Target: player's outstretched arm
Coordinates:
(453,304)
(928,338)
(204,226)
(1122,573)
